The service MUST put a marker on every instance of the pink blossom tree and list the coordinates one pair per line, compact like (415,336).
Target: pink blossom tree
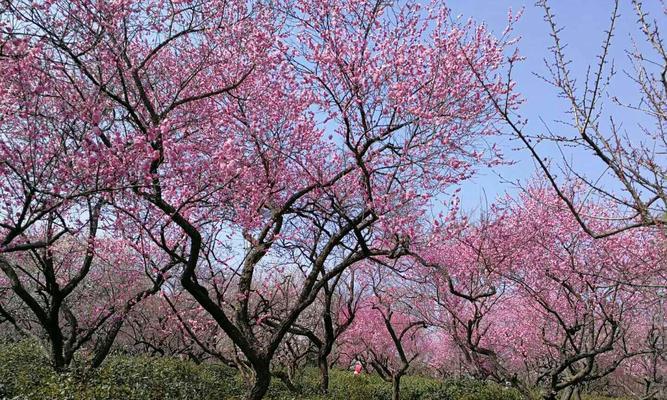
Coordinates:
(317,131)
(388,333)
(75,296)
(580,298)
(470,300)
(643,376)
(583,294)
(326,320)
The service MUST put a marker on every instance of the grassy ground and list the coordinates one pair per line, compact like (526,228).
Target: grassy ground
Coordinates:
(25,375)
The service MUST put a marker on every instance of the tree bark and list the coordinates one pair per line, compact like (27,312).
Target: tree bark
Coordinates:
(396,387)
(285,378)
(323,364)
(104,345)
(551,395)
(261,382)
(57,357)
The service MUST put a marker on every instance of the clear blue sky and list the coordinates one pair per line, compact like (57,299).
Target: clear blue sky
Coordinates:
(584,23)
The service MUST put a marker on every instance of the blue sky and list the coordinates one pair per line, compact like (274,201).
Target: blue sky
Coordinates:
(584,23)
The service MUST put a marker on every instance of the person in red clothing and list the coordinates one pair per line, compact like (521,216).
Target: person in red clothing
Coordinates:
(357,368)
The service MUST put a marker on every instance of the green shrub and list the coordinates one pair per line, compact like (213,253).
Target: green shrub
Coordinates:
(164,378)
(25,374)
(24,367)
(470,389)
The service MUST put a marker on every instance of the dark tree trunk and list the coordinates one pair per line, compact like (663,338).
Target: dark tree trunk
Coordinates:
(55,336)
(551,395)
(396,387)
(285,378)
(57,357)
(323,364)
(261,382)
(104,345)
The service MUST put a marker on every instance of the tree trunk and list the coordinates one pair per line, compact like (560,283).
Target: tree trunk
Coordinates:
(57,345)
(396,387)
(103,347)
(57,358)
(570,393)
(323,364)
(551,395)
(287,380)
(261,382)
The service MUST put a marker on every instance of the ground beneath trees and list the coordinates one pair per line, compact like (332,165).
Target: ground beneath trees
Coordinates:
(25,374)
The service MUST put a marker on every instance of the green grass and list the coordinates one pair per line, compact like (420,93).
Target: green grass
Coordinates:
(25,375)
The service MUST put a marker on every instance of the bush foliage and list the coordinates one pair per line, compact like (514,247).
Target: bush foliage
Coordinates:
(25,374)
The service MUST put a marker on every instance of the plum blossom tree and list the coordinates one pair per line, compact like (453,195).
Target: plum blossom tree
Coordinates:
(290,360)
(584,297)
(75,296)
(317,132)
(388,333)
(53,212)
(585,294)
(324,322)
(643,376)
(469,296)
(176,325)
(151,330)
